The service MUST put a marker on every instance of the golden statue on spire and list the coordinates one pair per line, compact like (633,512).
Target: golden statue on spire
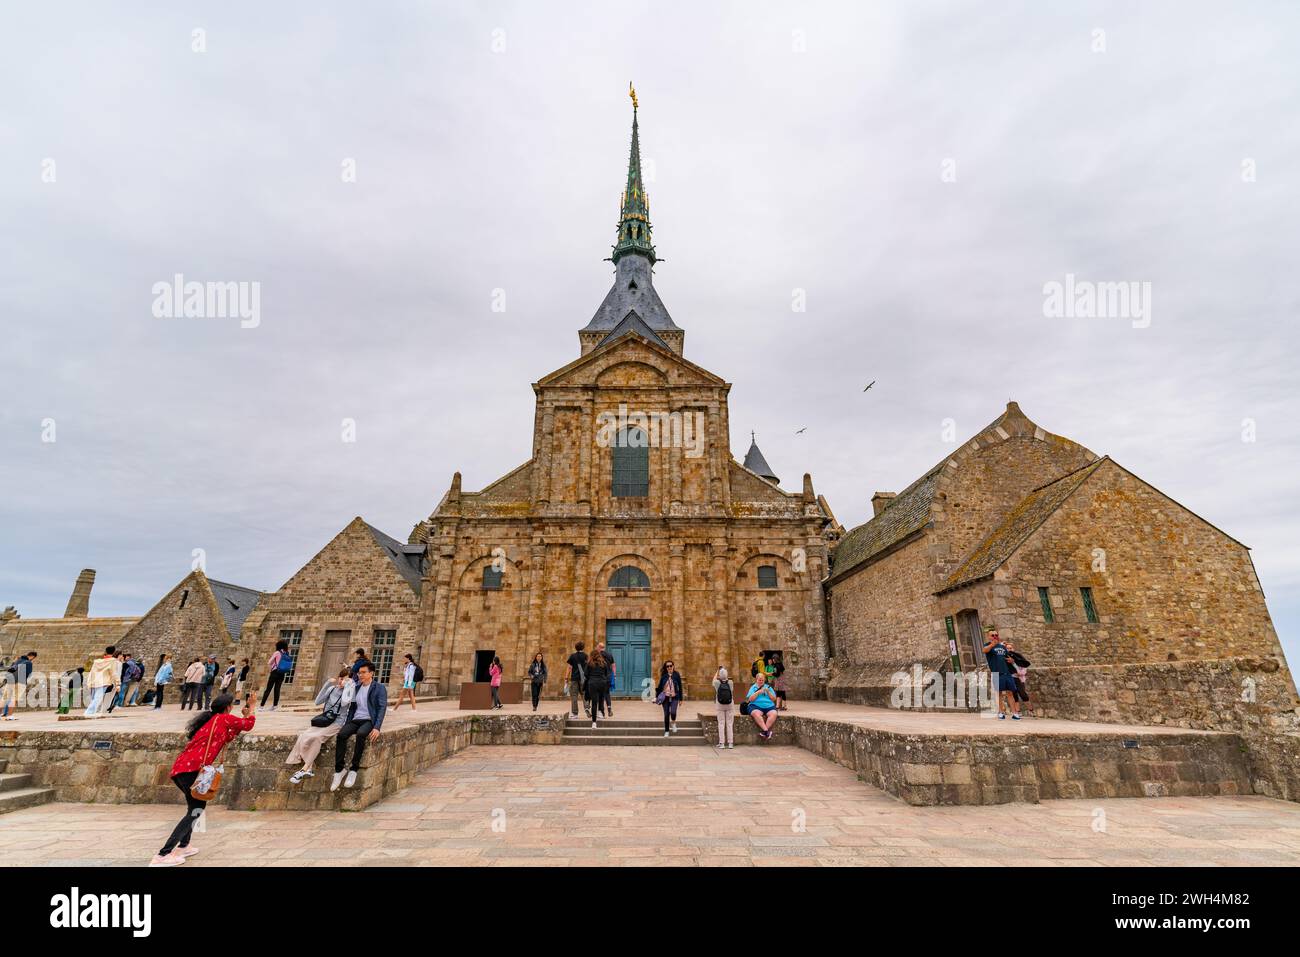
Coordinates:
(631,91)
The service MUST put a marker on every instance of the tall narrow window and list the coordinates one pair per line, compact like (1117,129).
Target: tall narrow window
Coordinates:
(766,576)
(385,646)
(184,595)
(294,637)
(1089,609)
(1045,600)
(492,579)
(631,464)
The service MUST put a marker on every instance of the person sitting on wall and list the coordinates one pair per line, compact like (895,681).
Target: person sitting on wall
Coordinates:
(336,695)
(365,718)
(762,705)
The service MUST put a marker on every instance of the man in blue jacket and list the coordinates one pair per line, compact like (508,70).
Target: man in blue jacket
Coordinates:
(365,718)
(15,687)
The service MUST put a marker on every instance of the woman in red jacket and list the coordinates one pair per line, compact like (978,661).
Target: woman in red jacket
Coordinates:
(208,732)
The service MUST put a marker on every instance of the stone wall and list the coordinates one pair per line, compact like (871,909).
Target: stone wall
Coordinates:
(61,643)
(134,768)
(185,624)
(999,769)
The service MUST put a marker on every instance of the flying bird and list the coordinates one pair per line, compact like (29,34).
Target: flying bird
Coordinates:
(870,384)
(802,431)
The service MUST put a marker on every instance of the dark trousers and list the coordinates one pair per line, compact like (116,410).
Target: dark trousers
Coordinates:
(597,691)
(670,711)
(180,836)
(189,695)
(111,695)
(158,695)
(206,690)
(496,696)
(362,730)
(537,693)
(273,682)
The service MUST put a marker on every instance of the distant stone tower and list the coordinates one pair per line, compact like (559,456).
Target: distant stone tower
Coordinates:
(79,603)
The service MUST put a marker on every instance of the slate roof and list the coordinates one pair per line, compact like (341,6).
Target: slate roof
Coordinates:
(407,559)
(633,323)
(908,513)
(633,290)
(755,462)
(236,604)
(1020,523)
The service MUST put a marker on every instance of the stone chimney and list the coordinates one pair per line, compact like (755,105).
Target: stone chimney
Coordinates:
(880,501)
(79,603)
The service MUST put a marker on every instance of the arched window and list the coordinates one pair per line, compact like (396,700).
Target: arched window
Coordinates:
(491,578)
(766,576)
(629,577)
(631,464)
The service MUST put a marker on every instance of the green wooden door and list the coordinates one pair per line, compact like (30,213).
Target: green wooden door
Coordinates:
(628,642)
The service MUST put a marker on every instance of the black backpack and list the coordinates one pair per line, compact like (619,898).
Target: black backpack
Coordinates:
(724,691)
(419,674)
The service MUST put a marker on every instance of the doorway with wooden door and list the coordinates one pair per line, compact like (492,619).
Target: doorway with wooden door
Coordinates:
(333,656)
(628,643)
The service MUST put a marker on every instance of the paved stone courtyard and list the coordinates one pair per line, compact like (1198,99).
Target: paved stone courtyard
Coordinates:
(662,806)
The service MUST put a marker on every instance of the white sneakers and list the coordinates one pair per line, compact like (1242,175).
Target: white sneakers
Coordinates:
(350,780)
(674,727)
(337,780)
(593,724)
(298,776)
(665,734)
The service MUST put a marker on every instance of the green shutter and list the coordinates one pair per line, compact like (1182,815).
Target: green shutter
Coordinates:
(1045,600)
(1089,609)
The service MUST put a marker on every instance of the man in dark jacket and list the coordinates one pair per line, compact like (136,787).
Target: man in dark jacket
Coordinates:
(15,682)
(365,718)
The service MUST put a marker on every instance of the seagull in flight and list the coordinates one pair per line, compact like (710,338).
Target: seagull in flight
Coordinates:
(870,384)
(802,431)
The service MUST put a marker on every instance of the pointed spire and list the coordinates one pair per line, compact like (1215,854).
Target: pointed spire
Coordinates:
(755,462)
(634,214)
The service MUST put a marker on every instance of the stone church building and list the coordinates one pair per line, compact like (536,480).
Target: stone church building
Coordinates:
(629,522)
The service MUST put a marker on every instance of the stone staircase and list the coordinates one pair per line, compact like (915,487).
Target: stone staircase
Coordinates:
(623,732)
(16,791)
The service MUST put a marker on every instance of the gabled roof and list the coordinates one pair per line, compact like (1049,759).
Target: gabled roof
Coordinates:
(908,513)
(1020,523)
(235,602)
(607,346)
(407,559)
(632,323)
(756,463)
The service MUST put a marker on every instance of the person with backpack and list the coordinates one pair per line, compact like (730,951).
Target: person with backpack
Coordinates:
(1020,664)
(597,667)
(575,678)
(115,690)
(161,679)
(537,677)
(724,695)
(412,674)
(228,678)
(209,679)
(494,676)
(668,693)
(208,732)
(132,677)
(279,665)
(336,695)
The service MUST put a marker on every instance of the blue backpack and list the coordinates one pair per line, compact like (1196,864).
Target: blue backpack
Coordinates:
(285,663)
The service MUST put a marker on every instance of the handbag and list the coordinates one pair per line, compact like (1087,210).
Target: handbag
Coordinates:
(744,707)
(330,714)
(209,779)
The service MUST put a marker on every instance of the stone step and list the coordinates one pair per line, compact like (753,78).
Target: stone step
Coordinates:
(675,741)
(25,797)
(4,763)
(615,723)
(588,731)
(14,782)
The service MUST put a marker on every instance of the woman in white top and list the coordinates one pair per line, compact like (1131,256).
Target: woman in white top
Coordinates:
(335,696)
(408,684)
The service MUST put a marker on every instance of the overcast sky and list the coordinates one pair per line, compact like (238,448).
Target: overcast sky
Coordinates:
(919,171)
